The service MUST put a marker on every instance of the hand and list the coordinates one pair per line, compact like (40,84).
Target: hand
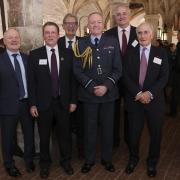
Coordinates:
(72,107)
(100,90)
(34,111)
(145,97)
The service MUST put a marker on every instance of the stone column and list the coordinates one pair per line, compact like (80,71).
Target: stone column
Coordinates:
(27,17)
(113,4)
(154,20)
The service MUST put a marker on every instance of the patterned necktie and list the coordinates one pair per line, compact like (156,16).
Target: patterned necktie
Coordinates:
(143,68)
(70,44)
(96,41)
(54,74)
(124,42)
(19,77)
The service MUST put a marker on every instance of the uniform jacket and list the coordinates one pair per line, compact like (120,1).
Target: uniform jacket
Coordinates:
(106,57)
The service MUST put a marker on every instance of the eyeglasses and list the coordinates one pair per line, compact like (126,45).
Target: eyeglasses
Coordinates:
(70,23)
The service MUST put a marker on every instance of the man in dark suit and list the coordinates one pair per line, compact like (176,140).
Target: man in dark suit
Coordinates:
(126,35)
(97,67)
(14,103)
(145,76)
(70,25)
(52,96)
(176,81)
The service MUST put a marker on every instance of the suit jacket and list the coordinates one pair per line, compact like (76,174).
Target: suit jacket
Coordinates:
(106,56)
(114,33)
(9,88)
(155,81)
(40,84)
(62,41)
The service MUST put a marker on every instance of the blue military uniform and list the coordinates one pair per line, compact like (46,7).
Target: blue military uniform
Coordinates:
(104,69)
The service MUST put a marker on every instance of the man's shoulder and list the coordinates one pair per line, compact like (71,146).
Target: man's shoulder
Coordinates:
(111,32)
(38,50)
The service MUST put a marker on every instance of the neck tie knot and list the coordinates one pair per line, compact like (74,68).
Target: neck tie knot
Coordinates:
(70,44)
(96,41)
(14,55)
(53,50)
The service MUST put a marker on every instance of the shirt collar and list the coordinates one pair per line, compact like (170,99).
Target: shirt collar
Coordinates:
(73,39)
(48,48)
(127,28)
(10,53)
(147,47)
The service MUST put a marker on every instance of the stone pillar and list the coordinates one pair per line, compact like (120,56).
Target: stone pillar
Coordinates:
(154,20)
(113,4)
(27,17)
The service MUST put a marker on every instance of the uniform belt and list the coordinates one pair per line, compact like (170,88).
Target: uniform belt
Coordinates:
(23,100)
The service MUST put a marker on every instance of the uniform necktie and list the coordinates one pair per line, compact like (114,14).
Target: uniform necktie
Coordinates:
(19,77)
(96,41)
(143,68)
(54,74)
(124,42)
(70,44)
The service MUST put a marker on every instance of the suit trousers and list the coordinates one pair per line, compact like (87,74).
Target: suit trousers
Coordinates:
(8,131)
(58,116)
(136,125)
(98,114)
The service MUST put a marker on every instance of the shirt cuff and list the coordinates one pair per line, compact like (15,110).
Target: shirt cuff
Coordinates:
(150,94)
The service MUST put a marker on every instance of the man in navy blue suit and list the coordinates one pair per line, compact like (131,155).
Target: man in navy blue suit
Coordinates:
(145,75)
(14,103)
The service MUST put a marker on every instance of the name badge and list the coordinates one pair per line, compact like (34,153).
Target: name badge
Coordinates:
(157,60)
(42,61)
(134,43)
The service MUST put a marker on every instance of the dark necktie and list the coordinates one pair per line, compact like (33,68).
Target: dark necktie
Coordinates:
(54,74)
(96,41)
(124,42)
(143,68)
(19,77)
(70,44)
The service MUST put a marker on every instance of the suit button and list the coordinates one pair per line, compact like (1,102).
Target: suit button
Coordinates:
(97,49)
(98,57)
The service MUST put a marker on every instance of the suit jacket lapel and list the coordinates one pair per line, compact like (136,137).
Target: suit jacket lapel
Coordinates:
(149,68)
(136,58)
(9,65)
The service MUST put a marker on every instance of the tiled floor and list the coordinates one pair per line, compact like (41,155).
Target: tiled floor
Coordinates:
(168,167)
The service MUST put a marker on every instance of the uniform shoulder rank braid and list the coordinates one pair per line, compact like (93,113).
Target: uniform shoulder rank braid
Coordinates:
(86,56)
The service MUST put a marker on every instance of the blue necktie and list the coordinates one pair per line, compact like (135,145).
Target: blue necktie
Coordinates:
(19,77)
(70,44)
(96,41)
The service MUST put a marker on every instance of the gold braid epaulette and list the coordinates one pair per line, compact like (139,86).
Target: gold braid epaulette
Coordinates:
(86,56)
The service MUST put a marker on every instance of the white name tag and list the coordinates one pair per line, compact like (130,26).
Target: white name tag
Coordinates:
(135,43)
(157,60)
(42,61)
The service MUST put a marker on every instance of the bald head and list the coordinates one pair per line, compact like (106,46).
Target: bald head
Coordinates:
(12,39)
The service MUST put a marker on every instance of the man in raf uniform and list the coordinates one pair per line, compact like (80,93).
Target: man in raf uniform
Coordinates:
(97,67)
